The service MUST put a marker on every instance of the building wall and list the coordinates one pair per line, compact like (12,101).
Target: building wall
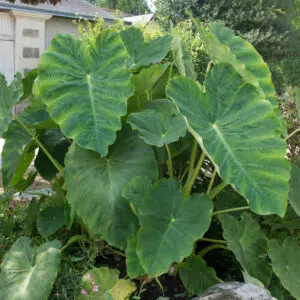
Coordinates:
(7,65)
(57,25)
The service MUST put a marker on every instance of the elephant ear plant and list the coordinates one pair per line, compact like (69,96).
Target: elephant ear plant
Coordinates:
(149,159)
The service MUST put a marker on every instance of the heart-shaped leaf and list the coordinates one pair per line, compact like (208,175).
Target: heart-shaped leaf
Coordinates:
(228,200)
(249,244)
(57,145)
(224,46)
(28,82)
(285,263)
(29,273)
(144,53)
(18,152)
(135,190)
(196,275)
(240,134)
(9,96)
(159,123)
(133,265)
(104,284)
(181,55)
(170,224)
(99,181)
(50,220)
(144,83)
(87,96)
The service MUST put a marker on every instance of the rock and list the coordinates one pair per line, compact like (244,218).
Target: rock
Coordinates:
(235,291)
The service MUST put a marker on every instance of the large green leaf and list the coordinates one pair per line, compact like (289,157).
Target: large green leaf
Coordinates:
(240,134)
(133,265)
(104,277)
(28,82)
(122,290)
(134,191)
(148,78)
(144,53)
(86,88)
(181,55)
(50,220)
(230,199)
(37,118)
(294,195)
(196,275)
(109,286)
(9,96)
(29,273)
(249,244)
(94,185)
(286,264)
(18,152)
(144,83)
(57,145)
(224,46)
(170,224)
(159,123)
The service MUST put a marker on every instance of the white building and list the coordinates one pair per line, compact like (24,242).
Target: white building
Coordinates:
(26,30)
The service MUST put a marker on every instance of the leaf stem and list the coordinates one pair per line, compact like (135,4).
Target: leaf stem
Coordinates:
(291,134)
(169,162)
(115,251)
(57,165)
(189,185)
(160,285)
(211,247)
(209,66)
(183,174)
(171,70)
(212,180)
(159,165)
(230,210)
(192,159)
(213,241)
(219,188)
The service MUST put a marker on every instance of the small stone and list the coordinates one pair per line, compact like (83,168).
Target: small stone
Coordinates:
(235,291)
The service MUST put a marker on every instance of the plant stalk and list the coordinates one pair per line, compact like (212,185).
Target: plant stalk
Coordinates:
(213,194)
(169,162)
(183,174)
(209,66)
(292,134)
(189,185)
(57,165)
(171,70)
(209,248)
(160,285)
(212,180)
(230,210)
(192,159)
(213,241)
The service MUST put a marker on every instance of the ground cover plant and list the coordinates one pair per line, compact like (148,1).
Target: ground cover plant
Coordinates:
(172,177)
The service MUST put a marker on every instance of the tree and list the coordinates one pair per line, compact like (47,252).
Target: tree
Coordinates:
(264,23)
(36,2)
(128,6)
